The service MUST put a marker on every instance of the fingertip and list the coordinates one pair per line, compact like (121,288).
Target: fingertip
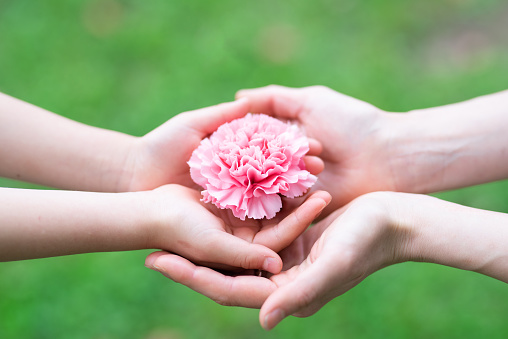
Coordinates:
(272,264)
(174,267)
(313,164)
(152,258)
(315,147)
(314,205)
(324,199)
(240,253)
(242,101)
(272,319)
(241,94)
(324,195)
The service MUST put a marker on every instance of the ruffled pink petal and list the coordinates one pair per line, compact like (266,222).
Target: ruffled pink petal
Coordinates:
(248,163)
(299,188)
(264,206)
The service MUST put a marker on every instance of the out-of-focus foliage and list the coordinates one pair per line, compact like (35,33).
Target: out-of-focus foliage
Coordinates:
(131,65)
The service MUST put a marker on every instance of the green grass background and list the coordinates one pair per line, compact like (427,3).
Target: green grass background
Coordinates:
(131,65)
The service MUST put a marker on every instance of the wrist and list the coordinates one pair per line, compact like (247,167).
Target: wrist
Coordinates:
(389,226)
(125,162)
(162,212)
(449,146)
(457,236)
(417,153)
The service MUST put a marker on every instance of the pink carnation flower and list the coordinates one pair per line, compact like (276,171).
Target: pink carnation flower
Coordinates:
(248,163)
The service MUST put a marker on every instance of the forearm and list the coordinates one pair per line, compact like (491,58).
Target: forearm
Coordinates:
(450,146)
(453,235)
(41,147)
(38,223)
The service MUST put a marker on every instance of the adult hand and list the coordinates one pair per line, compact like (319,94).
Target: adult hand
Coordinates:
(366,149)
(160,157)
(326,261)
(353,134)
(373,231)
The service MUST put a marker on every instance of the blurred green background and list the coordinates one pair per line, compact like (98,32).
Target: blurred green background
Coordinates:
(131,65)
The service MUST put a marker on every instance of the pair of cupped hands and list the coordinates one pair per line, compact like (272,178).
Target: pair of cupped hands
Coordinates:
(279,265)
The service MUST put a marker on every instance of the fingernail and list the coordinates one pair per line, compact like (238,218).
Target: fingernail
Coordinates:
(150,263)
(321,209)
(150,260)
(273,318)
(271,265)
(151,266)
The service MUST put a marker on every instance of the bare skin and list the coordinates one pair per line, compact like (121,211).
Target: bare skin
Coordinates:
(372,232)
(365,150)
(42,147)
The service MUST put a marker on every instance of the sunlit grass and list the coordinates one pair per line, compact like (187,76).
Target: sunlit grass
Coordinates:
(131,65)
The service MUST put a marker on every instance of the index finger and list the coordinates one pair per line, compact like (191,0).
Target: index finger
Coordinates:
(280,235)
(245,291)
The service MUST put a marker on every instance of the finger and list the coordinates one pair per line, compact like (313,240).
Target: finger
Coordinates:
(207,120)
(315,147)
(224,248)
(315,232)
(314,164)
(150,259)
(245,291)
(279,101)
(306,294)
(279,236)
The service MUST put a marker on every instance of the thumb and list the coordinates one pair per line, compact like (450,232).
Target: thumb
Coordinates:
(227,249)
(207,120)
(278,101)
(304,295)
(281,235)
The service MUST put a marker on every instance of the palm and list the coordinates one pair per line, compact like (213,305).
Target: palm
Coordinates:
(276,233)
(346,127)
(215,238)
(163,155)
(351,244)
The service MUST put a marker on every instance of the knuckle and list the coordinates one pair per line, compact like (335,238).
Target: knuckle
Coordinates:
(375,202)
(306,312)
(306,298)
(248,261)
(225,297)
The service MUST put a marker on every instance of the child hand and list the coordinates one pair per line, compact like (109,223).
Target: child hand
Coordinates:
(215,238)
(328,260)
(160,157)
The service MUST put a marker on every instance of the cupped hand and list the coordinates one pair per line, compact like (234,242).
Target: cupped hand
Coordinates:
(354,136)
(160,157)
(218,239)
(325,262)
(349,245)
